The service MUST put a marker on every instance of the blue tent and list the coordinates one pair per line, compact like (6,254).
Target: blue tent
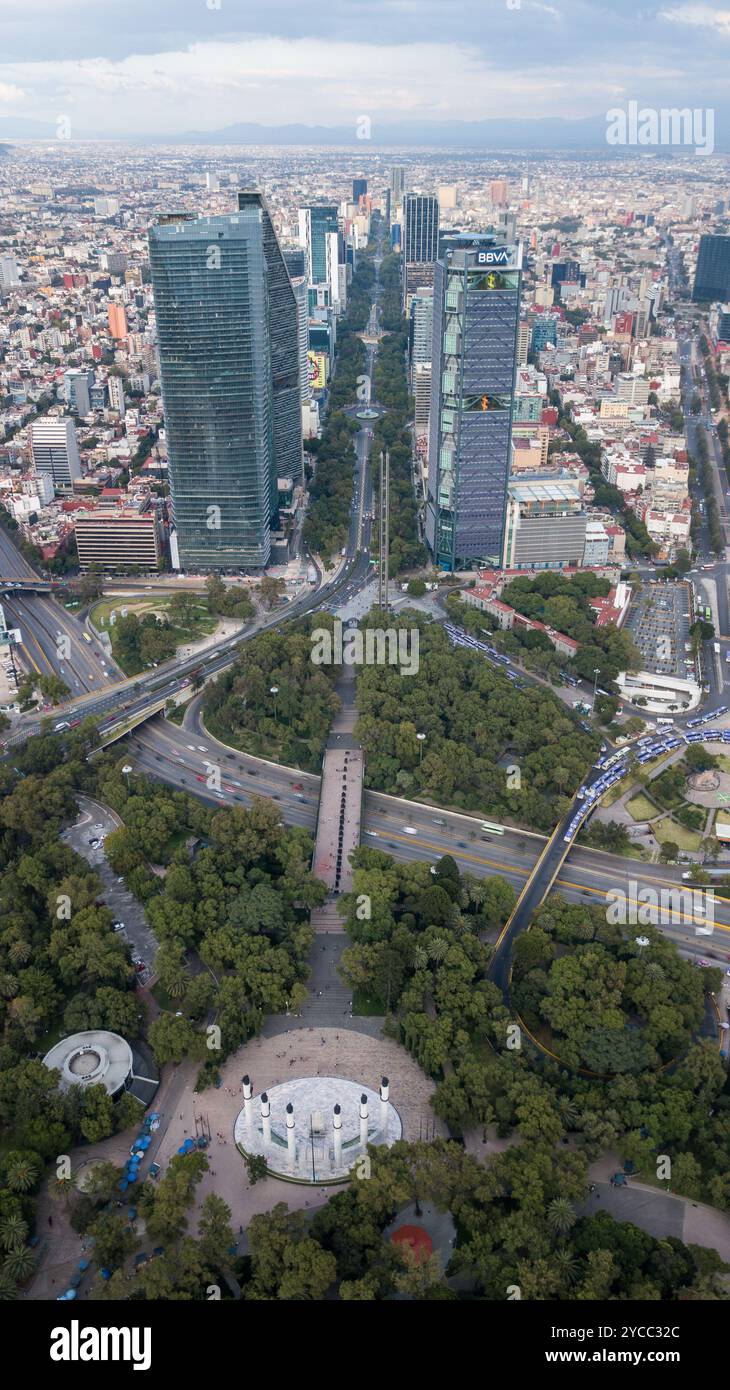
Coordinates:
(84,1265)
(105,1273)
(132,1177)
(123,1185)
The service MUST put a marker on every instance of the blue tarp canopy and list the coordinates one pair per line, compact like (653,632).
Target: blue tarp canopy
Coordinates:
(84,1264)
(123,1185)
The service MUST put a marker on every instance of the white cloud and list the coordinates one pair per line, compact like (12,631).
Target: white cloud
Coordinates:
(10,94)
(699,16)
(275,80)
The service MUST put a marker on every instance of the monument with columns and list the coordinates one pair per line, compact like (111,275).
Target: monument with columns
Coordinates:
(315,1129)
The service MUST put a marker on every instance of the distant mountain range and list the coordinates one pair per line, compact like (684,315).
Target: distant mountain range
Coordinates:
(550,134)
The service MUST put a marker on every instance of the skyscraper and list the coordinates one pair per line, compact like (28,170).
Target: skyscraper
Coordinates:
(8,272)
(420,227)
(712,276)
(284,338)
(476,317)
(117,321)
(397,186)
(299,285)
(77,384)
(55,451)
(227,338)
(359,189)
(314,225)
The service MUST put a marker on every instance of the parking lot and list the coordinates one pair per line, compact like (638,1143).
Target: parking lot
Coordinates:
(659,622)
(87,837)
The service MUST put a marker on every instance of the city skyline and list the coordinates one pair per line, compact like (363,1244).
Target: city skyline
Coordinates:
(145,73)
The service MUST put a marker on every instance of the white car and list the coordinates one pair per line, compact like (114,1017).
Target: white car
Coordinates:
(410,830)
(371,832)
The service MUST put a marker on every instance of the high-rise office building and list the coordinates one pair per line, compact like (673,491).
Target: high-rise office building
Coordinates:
(118,536)
(315,224)
(55,451)
(476,318)
(9,276)
(397,186)
(499,193)
(299,285)
(118,321)
(77,384)
(228,348)
(116,395)
(284,343)
(421,324)
(420,227)
(359,189)
(295,261)
(544,331)
(712,276)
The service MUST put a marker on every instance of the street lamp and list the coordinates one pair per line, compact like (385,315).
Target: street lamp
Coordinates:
(421,740)
(274,690)
(596,670)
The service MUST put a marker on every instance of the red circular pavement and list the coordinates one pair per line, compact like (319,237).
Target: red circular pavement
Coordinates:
(414,1236)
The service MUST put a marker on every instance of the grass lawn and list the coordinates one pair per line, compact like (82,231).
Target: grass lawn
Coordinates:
(615,793)
(202,625)
(365,1007)
(641,808)
(669,829)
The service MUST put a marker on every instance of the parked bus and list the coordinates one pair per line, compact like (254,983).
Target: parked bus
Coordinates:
(491,829)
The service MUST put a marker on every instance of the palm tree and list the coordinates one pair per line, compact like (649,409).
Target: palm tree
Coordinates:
(420,958)
(19,952)
(8,1288)
(566,1264)
(438,949)
(560,1216)
(568,1111)
(13,1230)
(20,1263)
(21,1174)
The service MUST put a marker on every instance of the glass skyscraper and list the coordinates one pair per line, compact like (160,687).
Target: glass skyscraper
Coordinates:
(712,277)
(474,355)
(420,227)
(314,225)
(224,305)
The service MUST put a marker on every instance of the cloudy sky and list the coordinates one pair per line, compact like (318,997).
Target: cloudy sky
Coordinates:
(165,66)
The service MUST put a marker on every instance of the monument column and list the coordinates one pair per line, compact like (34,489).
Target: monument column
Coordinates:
(384,1106)
(363,1121)
(337,1135)
(290,1136)
(266,1119)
